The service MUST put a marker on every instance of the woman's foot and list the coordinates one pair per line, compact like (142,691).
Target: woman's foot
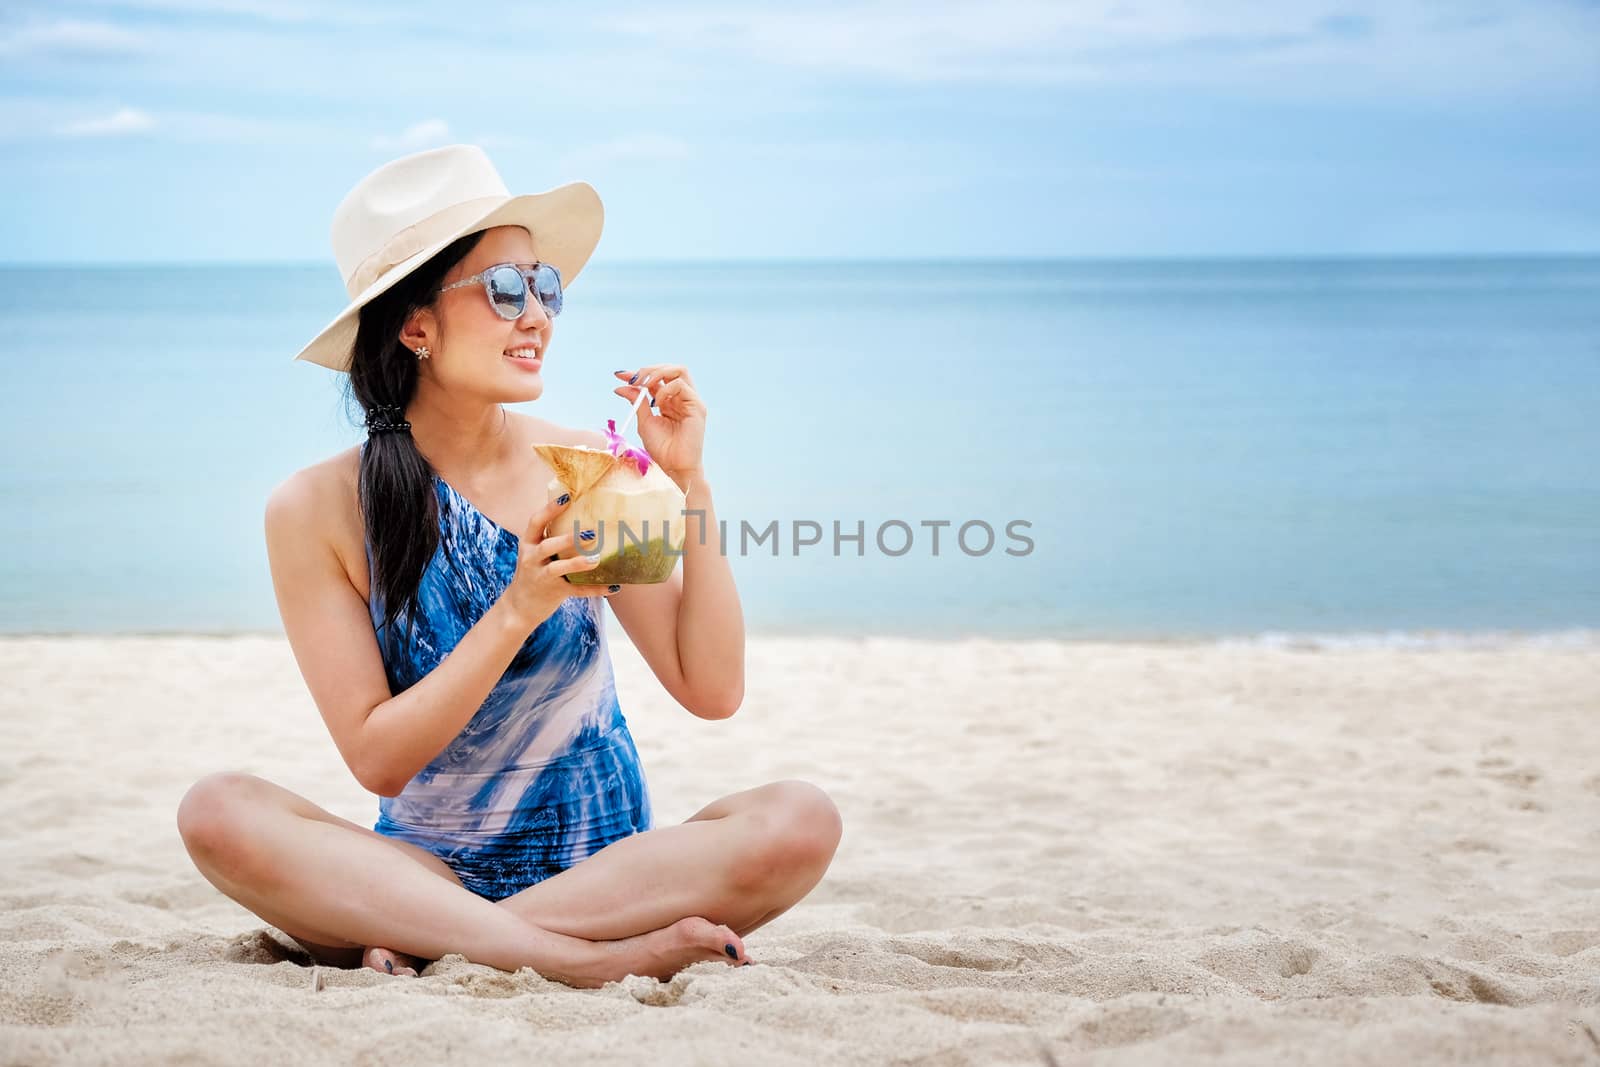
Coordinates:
(660,953)
(389,962)
(663,953)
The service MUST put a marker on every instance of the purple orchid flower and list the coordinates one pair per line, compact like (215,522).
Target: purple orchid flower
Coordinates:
(620,448)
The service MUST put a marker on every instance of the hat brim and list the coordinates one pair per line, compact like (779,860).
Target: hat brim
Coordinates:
(565,224)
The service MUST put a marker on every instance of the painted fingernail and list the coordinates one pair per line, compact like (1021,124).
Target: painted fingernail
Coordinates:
(563,498)
(652,401)
(633,379)
(388,965)
(586,535)
(613,588)
(729,950)
(619,372)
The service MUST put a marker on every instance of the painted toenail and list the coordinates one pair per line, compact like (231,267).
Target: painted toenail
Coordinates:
(729,950)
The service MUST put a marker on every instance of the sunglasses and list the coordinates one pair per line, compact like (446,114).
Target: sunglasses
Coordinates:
(507,286)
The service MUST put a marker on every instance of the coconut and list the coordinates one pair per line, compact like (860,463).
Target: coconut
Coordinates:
(638,519)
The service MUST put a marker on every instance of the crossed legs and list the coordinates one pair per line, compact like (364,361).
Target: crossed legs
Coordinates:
(650,903)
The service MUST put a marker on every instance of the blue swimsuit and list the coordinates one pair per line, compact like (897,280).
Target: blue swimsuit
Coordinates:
(546,772)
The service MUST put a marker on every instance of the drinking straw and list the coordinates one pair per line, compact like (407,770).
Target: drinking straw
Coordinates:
(615,459)
(643,392)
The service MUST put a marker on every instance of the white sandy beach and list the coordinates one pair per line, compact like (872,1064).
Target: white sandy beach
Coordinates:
(1118,853)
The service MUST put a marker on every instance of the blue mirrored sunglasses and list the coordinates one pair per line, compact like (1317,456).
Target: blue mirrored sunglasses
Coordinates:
(507,286)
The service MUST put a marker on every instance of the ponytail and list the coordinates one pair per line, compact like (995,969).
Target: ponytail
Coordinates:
(399,509)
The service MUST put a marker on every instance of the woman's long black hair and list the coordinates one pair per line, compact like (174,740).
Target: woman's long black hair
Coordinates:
(398,507)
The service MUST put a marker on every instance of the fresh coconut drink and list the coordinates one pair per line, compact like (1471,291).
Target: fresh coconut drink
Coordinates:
(635,510)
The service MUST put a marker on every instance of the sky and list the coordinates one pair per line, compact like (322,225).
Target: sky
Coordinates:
(227,130)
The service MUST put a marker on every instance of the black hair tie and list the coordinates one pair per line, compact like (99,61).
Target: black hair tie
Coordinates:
(387,418)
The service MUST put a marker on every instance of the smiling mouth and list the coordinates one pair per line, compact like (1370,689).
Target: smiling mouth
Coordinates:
(528,355)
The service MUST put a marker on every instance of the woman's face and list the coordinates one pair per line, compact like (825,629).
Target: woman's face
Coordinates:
(471,348)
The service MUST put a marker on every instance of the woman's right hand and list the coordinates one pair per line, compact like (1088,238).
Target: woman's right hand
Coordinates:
(540,584)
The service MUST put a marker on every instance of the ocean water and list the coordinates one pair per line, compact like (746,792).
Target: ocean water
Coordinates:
(1249,449)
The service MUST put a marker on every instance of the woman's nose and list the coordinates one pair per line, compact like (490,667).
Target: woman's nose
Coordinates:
(534,316)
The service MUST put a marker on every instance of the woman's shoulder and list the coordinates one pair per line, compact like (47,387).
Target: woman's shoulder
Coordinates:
(535,430)
(319,502)
(326,479)
(311,488)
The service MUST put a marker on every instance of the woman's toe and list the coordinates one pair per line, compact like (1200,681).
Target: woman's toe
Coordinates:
(388,961)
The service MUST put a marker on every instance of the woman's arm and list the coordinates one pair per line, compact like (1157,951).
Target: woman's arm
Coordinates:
(386,738)
(403,734)
(690,628)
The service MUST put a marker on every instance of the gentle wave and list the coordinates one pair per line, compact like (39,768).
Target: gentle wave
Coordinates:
(1422,640)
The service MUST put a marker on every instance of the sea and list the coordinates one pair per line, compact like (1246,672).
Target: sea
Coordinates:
(1391,451)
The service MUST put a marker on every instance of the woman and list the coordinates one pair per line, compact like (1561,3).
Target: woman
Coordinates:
(462,677)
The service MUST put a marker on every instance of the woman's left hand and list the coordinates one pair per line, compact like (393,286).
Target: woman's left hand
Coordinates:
(677,437)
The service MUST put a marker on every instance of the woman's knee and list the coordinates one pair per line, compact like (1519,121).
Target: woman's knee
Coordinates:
(212,815)
(813,817)
(796,830)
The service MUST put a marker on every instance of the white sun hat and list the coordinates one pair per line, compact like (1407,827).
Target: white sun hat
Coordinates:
(410,208)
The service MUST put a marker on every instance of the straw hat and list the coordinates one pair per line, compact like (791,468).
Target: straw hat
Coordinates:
(408,209)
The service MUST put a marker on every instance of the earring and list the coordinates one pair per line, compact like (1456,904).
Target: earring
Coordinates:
(422,352)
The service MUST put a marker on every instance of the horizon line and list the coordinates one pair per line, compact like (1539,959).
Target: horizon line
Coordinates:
(1399,638)
(1219,257)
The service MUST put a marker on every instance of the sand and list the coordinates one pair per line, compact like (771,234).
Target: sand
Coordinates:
(1098,852)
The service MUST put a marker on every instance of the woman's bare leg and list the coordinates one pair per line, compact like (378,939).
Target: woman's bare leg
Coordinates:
(742,860)
(343,888)
(374,957)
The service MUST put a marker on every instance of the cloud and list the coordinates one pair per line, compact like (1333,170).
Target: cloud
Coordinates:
(124,120)
(33,117)
(71,38)
(425,134)
(1367,42)
(266,11)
